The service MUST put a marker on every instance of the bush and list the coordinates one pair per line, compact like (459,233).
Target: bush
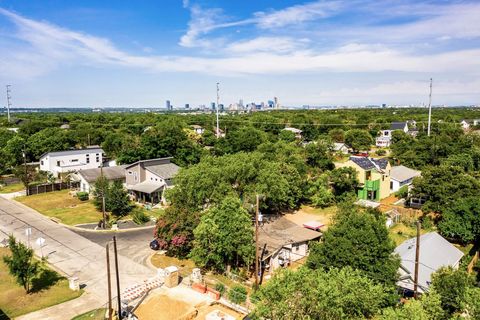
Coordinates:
(82,196)
(237,294)
(381,152)
(220,288)
(139,216)
(402,192)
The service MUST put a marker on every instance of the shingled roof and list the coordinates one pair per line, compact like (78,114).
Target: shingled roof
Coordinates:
(111,173)
(398,125)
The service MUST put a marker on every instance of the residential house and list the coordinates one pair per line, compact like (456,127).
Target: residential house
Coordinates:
(373,176)
(62,162)
(340,147)
(221,133)
(476,122)
(284,243)
(88,177)
(146,180)
(435,252)
(402,176)
(297,132)
(465,125)
(198,129)
(385,138)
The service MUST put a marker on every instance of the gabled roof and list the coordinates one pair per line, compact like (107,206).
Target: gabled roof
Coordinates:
(294,130)
(398,125)
(367,163)
(282,232)
(165,171)
(150,162)
(402,173)
(435,252)
(147,187)
(111,173)
(196,126)
(338,146)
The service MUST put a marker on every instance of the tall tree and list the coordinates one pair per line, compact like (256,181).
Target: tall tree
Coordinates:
(461,220)
(224,237)
(358,140)
(318,294)
(21,264)
(359,240)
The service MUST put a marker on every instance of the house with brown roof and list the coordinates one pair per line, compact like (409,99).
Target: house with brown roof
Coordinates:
(282,242)
(147,180)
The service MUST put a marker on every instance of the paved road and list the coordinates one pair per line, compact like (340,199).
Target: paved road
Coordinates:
(132,244)
(70,253)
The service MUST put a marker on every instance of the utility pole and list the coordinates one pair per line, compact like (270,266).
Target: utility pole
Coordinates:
(109,284)
(9,103)
(430,107)
(118,278)
(256,243)
(103,200)
(26,171)
(218,101)
(417,257)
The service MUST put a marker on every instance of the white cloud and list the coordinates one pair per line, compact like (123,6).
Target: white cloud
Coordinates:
(266,44)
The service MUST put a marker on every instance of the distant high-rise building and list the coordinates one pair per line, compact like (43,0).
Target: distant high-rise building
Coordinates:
(240,103)
(168,105)
(275,101)
(221,107)
(212,105)
(187,106)
(271,103)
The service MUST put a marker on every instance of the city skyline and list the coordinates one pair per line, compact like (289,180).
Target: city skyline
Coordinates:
(306,53)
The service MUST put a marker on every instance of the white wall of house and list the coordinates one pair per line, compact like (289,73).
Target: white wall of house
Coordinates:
(67,161)
(152,177)
(292,252)
(395,185)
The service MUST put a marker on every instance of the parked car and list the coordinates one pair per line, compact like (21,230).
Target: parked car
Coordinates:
(154,245)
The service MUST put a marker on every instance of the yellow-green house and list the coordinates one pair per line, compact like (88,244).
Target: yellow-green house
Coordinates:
(373,177)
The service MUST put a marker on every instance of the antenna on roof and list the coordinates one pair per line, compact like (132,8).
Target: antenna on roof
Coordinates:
(430,107)
(9,103)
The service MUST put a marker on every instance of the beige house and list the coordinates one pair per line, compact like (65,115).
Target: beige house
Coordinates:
(147,180)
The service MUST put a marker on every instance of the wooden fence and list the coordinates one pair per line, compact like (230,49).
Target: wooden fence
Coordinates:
(472,263)
(7,180)
(50,187)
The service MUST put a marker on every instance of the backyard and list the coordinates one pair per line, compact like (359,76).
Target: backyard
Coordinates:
(48,289)
(12,187)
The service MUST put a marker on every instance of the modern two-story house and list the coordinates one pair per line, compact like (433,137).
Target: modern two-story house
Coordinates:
(146,180)
(373,177)
(62,162)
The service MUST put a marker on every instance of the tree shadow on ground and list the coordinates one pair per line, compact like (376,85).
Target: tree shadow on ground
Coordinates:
(3,316)
(45,280)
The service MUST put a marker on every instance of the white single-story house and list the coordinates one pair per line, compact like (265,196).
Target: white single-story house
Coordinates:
(402,176)
(340,147)
(435,252)
(284,243)
(88,177)
(59,162)
(465,125)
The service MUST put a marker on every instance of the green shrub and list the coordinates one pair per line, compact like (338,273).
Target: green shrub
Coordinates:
(381,152)
(82,196)
(139,216)
(220,288)
(402,192)
(237,294)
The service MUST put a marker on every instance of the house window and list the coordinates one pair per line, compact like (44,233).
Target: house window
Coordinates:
(58,163)
(383,177)
(368,175)
(74,160)
(88,158)
(98,159)
(129,173)
(41,162)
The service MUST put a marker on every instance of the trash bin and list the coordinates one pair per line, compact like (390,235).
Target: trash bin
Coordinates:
(73,283)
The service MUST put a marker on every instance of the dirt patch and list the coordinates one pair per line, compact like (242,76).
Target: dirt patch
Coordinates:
(162,307)
(205,310)
(306,214)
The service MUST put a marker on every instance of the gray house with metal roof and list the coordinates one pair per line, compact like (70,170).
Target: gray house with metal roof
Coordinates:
(88,177)
(402,176)
(147,180)
(435,252)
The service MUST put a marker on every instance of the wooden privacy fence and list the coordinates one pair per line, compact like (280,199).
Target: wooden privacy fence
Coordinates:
(473,262)
(50,187)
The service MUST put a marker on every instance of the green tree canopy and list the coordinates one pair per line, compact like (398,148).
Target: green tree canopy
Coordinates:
(224,236)
(461,220)
(318,294)
(358,139)
(360,240)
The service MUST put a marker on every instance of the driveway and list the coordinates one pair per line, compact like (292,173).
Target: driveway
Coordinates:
(71,254)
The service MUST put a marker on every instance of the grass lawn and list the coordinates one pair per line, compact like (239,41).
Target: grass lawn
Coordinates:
(60,205)
(162,261)
(97,314)
(401,232)
(49,289)
(12,188)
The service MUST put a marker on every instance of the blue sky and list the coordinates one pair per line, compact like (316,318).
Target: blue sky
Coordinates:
(329,52)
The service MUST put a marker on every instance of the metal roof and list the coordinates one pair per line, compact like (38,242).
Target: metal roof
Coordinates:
(146,187)
(398,125)
(165,171)
(111,173)
(402,173)
(435,252)
(89,148)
